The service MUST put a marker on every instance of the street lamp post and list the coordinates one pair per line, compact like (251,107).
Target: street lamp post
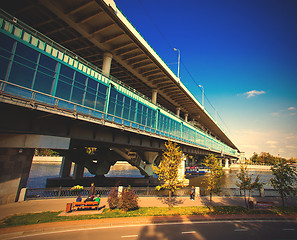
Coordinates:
(178,61)
(202,95)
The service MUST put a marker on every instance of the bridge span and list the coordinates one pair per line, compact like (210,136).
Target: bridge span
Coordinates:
(61,98)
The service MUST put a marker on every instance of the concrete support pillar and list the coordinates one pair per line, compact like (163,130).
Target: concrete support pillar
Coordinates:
(178,111)
(65,167)
(186,116)
(78,171)
(197,192)
(226,163)
(154,96)
(107,57)
(181,173)
(14,172)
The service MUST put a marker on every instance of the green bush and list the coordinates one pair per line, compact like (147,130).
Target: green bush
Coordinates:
(113,199)
(128,200)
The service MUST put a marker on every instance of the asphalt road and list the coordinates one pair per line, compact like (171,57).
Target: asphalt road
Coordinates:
(206,230)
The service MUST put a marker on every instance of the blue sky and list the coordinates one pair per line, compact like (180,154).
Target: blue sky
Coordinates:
(244,54)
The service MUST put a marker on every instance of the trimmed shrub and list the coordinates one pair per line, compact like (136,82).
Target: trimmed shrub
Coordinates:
(128,200)
(113,199)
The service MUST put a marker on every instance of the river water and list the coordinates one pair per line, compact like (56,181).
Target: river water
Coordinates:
(40,172)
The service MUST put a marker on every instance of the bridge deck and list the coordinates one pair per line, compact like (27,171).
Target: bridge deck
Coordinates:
(36,69)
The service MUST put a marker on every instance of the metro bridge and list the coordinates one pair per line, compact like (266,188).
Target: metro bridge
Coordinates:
(59,98)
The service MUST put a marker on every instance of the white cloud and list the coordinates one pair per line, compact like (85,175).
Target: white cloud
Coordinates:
(271,142)
(291,109)
(275,142)
(254,93)
(292,147)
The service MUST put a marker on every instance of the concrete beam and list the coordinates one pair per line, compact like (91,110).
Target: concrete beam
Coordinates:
(33,141)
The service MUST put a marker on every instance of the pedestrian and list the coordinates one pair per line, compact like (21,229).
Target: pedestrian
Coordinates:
(92,190)
(79,199)
(97,199)
(192,194)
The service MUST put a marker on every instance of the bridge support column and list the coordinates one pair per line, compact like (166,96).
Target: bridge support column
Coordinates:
(181,173)
(186,116)
(78,171)
(226,163)
(178,111)
(65,167)
(150,158)
(14,172)
(16,155)
(107,57)
(154,96)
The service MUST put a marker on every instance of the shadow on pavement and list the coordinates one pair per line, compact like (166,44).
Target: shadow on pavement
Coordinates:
(174,200)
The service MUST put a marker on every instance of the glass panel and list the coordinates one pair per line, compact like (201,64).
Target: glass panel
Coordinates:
(111,107)
(77,95)
(139,113)
(101,97)
(63,90)
(65,79)
(26,52)
(90,100)
(119,105)
(6,42)
(3,67)
(46,71)
(25,62)
(21,75)
(80,78)
(45,99)
(92,85)
(48,62)
(43,83)
(66,71)
(18,91)
(132,111)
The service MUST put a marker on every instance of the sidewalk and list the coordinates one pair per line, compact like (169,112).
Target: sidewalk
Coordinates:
(43,205)
(33,206)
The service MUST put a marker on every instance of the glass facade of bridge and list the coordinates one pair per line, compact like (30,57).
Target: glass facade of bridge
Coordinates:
(34,67)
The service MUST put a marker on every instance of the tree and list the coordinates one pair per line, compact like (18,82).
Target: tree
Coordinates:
(284,179)
(167,170)
(245,183)
(214,175)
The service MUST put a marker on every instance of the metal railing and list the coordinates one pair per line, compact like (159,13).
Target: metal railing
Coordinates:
(37,99)
(65,192)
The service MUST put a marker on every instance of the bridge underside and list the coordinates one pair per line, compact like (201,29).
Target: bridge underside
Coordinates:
(24,129)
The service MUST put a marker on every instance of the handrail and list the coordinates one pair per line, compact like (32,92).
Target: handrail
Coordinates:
(105,116)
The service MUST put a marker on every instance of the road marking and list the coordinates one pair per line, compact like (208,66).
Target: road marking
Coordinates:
(188,232)
(129,236)
(24,235)
(288,229)
(240,230)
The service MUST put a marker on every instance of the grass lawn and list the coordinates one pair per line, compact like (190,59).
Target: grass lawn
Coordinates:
(44,217)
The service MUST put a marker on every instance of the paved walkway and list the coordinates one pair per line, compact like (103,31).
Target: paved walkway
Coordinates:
(43,205)
(60,204)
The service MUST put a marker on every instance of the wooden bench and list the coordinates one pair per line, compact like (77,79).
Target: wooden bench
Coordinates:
(85,205)
(263,204)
